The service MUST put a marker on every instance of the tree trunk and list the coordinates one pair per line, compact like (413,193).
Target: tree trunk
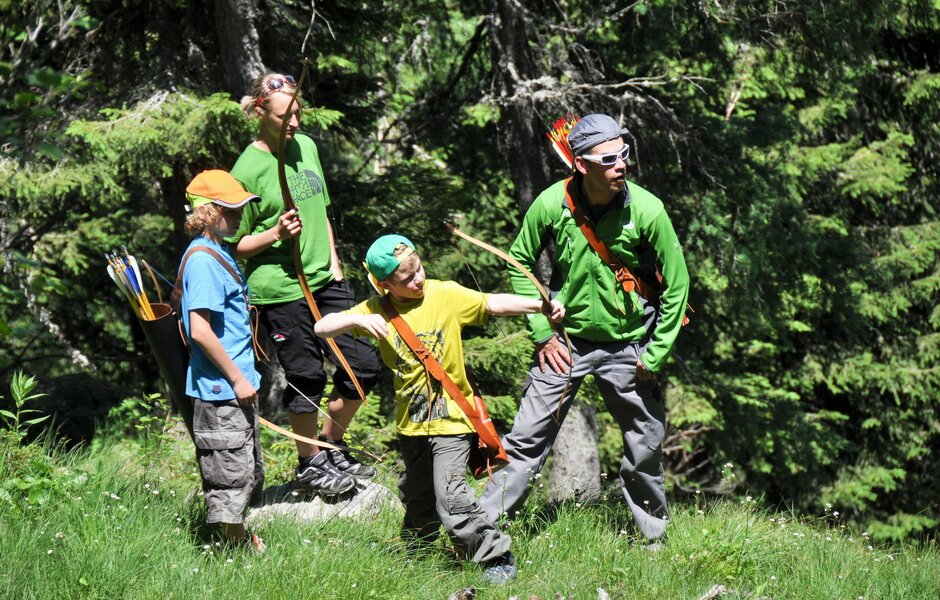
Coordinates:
(520,136)
(576,466)
(239,49)
(273,382)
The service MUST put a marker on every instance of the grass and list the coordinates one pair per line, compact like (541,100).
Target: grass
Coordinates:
(124,522)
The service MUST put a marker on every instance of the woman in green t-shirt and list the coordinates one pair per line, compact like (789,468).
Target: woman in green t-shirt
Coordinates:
(264,241)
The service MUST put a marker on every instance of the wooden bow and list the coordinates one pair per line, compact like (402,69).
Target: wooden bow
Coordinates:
(289,204)
(538,286)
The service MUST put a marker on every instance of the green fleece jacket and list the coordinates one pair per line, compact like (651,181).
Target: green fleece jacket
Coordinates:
(636,229)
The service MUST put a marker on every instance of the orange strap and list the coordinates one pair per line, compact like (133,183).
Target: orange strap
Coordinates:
(478,415)
(622,272)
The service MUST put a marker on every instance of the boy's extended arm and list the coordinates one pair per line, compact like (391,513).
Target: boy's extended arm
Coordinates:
(509,305)
(202,335)
(334,324)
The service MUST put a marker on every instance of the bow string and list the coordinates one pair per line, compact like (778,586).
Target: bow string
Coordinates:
(538,286)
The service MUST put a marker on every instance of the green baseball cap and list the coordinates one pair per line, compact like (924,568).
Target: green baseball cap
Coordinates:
(381,260)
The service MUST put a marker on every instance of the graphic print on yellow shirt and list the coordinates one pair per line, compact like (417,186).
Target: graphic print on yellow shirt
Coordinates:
(438,320)
(426,400)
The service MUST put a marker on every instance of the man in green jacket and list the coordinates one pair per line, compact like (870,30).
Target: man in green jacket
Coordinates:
(616,334)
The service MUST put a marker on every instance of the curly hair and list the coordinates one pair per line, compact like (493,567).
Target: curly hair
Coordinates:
(261,88)
(201,217)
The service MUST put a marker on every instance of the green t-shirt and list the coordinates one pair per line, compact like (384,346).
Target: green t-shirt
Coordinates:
(271,275)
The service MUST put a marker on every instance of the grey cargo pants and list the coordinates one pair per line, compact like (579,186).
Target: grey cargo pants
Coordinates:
(637,408)
(434,490)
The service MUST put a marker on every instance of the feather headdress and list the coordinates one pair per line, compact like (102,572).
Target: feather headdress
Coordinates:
(558,136)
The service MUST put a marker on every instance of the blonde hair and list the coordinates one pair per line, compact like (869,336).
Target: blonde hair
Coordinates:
(261,88)
(201,217)
(407,263)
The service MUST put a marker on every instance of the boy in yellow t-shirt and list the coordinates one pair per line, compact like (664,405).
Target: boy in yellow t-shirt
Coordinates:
(435,434)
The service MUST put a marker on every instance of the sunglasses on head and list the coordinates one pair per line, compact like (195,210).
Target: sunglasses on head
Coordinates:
(274,85)
(609,159)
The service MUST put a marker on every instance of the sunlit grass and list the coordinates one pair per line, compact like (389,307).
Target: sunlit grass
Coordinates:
(126,529)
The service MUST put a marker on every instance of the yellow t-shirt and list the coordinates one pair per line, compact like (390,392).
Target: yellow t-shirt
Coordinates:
(437,319)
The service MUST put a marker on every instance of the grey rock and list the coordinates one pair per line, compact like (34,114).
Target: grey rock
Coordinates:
(286,501)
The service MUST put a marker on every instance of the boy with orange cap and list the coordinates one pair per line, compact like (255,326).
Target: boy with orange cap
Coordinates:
(221,378)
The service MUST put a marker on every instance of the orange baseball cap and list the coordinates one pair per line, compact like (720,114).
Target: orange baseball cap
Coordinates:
(217,186)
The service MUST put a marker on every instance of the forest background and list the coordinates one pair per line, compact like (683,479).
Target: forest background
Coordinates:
(795,145)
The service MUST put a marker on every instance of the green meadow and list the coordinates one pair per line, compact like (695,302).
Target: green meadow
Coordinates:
(124,519)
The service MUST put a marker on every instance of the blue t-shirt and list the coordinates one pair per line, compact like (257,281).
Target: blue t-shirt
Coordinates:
(208,285)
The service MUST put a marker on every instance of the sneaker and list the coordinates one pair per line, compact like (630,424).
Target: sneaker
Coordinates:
(319,475)
(501,570)
(345,462)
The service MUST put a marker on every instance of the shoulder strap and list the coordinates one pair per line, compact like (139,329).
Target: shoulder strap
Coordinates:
(624,275)
(477,416)
(622,272)
(177,294)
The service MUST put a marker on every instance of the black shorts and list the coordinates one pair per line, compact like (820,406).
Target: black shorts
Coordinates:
(301,352)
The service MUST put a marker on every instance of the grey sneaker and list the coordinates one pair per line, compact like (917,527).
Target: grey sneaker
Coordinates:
(345,462)
(501,570)
(319,475)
